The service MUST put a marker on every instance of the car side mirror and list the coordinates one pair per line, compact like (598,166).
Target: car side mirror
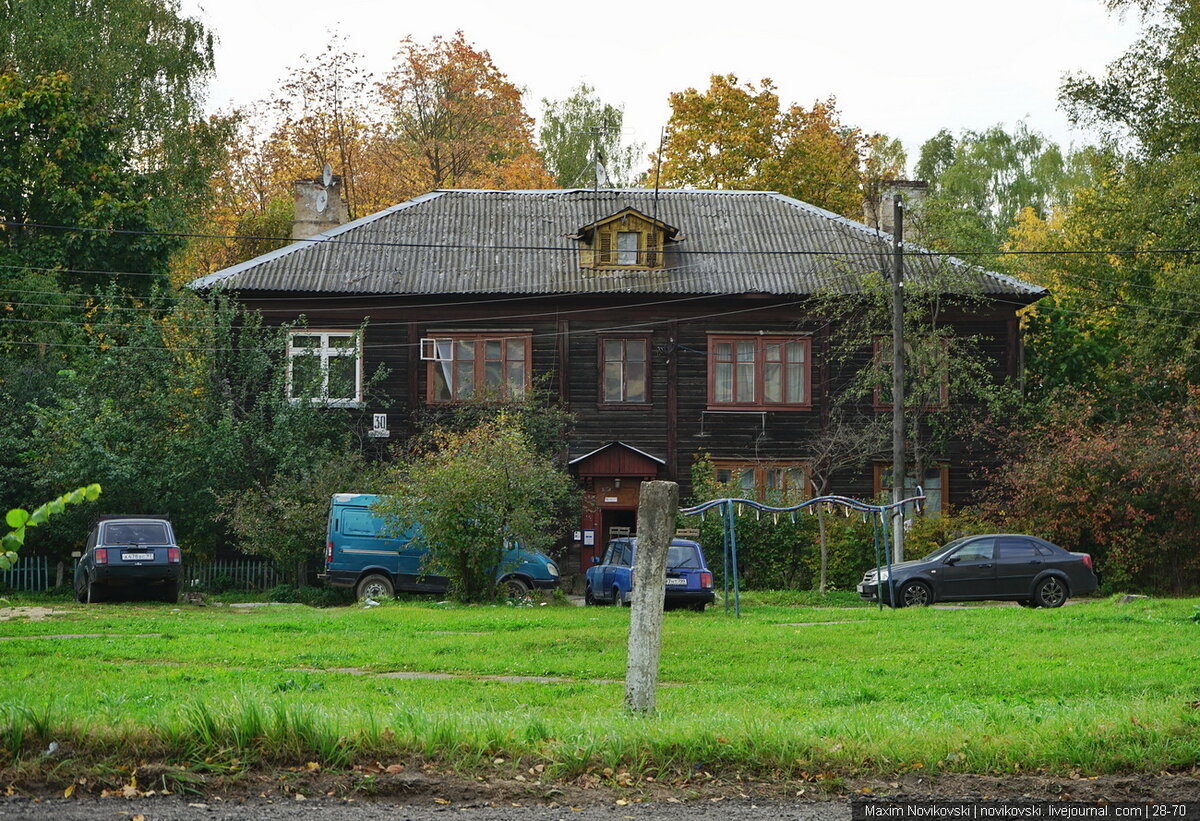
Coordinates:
(953,560)
(75,554)
(595,560)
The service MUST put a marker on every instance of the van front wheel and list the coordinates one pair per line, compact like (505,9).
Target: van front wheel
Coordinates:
(375,586)
(516,588)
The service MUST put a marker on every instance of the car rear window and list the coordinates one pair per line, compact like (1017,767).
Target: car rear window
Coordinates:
(683,556)
(140,533)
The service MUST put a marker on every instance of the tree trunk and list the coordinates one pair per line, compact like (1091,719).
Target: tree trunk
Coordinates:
(657,510)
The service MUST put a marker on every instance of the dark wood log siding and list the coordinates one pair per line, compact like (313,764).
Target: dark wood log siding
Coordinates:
(678,425)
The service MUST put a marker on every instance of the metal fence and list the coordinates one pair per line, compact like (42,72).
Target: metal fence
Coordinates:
(230,574)
(30,573)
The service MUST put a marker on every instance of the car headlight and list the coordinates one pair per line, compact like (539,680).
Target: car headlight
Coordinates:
(552,567)
(883,575)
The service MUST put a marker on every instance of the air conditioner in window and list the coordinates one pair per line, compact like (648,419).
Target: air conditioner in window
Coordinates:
(436,349)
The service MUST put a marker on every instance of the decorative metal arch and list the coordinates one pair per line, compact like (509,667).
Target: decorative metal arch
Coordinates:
(729,508)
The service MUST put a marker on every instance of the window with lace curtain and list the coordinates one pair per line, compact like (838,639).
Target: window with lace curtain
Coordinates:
(762,372)
(478,367)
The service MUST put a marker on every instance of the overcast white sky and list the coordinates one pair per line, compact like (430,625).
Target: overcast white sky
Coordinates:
(907,69)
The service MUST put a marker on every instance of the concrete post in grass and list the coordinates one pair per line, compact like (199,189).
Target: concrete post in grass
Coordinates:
(657,508)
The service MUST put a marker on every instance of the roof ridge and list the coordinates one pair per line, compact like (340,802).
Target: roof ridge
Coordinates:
(217,277)
(883,235)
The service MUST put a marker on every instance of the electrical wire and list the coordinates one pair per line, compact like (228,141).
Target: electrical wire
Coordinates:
(402,345)
(916,252)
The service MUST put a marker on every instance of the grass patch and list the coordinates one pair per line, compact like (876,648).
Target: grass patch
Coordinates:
(787,689)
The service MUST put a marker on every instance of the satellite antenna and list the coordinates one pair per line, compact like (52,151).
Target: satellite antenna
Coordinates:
(323,195)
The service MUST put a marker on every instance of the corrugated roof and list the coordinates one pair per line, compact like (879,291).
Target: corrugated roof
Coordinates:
(516,242)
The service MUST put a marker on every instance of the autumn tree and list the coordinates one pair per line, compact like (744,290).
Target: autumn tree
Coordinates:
(454,119)
(1123,292)
(720,138)
(1123,489)
(979,181)
(324,112)
(324,116)
(581,130)
(735,135)
(61,165)
(143,67)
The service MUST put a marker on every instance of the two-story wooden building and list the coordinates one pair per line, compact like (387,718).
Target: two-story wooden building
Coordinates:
(670,323)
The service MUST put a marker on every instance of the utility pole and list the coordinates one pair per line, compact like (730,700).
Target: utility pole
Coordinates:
(898,471)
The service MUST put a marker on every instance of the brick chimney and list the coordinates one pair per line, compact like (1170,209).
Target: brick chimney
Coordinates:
(319,205)
(878,213)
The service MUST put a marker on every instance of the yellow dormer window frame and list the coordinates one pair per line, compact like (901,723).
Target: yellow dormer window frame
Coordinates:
(627,240)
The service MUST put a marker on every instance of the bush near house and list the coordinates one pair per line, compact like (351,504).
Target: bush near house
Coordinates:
(473,492)
(1120,484)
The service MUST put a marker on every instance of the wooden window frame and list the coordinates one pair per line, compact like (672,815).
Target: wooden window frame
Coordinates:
(606,251)
(479,339)
(601,401)
(324,352)
(760,472)
(882,347)
(761,343)
(879,488)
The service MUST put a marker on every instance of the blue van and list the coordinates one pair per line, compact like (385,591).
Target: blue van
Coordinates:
(360,556)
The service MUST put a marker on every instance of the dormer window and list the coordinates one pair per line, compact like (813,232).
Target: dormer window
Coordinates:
(627,239)
(627,247)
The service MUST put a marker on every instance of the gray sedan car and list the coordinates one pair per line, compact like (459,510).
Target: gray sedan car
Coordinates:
(1004,566)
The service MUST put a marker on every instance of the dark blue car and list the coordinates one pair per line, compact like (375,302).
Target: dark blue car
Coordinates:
(689,581)
(135,555)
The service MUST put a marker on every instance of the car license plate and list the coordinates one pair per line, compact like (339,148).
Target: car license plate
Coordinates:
(862,588)
(676,582)
(137,557)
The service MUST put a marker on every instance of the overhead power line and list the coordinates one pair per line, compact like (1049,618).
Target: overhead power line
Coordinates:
(400,345)
(908,252)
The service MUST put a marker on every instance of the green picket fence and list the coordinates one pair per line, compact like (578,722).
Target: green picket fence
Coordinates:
(30,573)
(230,574)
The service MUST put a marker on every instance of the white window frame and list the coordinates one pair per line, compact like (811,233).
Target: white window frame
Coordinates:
(326,352)
(626,255)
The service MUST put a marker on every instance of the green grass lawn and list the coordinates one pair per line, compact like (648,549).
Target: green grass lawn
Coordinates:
(1095,687)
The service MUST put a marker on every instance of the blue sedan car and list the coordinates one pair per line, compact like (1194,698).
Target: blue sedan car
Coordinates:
(689,581)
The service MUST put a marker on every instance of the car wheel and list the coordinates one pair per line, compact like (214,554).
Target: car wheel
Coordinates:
(375,586)
(616,597)
(93,593)
(588,599)
(699,606)
(915,594)
(170,592)
(1051,592)
(516,588)
(1027,603)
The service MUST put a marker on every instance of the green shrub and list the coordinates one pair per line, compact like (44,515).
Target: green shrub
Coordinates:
(780,552)
(324,596)
(929,532)
(850,551)
(283,593)
(312,596)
